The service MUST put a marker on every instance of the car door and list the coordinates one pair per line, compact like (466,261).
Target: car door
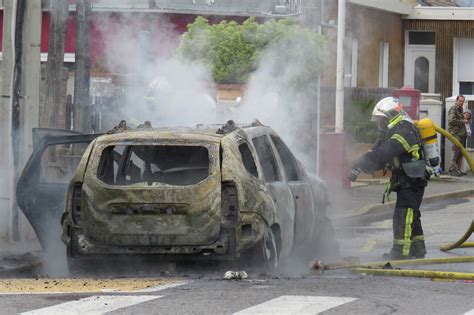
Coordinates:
(300,190)
(278,189)
(42,186)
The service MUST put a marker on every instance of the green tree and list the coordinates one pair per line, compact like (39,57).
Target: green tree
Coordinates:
(357,121)
(233,50)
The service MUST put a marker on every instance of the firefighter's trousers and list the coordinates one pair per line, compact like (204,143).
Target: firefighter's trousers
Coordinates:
(408,238)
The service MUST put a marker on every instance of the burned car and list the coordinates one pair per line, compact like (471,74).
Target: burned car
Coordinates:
(208,192)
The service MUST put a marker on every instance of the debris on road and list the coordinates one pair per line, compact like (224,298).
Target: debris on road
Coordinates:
(80,285)
(237,275)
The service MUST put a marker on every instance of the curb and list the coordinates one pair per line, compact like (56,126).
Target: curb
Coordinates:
(378,207)
(15,264)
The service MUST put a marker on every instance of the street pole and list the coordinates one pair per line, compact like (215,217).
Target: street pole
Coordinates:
(31,78)
(53,97)
(30,87)
(341,27)
(6,158)
(16,108)
(82,121)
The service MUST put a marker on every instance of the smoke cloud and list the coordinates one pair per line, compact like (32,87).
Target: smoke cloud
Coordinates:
(162,88)
(158,86)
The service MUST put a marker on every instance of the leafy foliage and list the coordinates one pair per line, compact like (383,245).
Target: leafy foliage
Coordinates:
(357,121)
(233,50)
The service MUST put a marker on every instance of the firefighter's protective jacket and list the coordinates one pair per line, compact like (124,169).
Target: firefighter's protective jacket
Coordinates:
(401,152)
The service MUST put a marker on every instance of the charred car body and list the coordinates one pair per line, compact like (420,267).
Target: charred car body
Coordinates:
(203,192)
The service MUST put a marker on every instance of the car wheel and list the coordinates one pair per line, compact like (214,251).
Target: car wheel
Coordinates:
(265,251)
(78,264)
(74,265)
(83,265)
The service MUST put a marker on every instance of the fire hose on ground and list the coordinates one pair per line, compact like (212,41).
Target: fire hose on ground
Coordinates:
(462,241)
(386,268)
(455,141)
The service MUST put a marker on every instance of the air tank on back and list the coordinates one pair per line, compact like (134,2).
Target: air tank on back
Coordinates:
(429,139)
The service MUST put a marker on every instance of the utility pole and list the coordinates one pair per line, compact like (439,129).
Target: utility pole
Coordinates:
(16,103)
(6,158)
(29,115)
(53,97)
(82,121)
(341,31)
(30,87)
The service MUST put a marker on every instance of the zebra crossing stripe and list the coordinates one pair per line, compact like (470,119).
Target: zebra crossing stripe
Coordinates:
(471,312)
(297,304)
(163,287)
(97,304)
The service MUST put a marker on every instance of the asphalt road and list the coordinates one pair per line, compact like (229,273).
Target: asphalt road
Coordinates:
(293,289)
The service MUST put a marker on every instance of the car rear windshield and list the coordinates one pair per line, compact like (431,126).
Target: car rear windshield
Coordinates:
(166,164)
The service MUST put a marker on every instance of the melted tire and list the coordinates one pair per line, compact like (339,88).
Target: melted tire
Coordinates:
(264,254)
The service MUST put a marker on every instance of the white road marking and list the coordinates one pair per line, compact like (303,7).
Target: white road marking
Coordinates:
(93,305)
(471,312)
(163,287)
(297,304)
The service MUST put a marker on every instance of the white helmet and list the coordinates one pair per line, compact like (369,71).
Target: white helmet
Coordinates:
(388,107)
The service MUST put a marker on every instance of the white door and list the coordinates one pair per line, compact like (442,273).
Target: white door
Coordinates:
(420,67)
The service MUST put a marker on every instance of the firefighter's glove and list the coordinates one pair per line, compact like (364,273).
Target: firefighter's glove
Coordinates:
(354,173)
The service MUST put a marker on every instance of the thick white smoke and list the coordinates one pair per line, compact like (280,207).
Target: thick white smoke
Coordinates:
(159,87)
(167,91)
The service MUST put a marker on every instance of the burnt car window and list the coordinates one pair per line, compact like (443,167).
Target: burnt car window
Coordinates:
(248,160)
(166,164)
(59,162)
(287,158)
(266,158)
(109,164)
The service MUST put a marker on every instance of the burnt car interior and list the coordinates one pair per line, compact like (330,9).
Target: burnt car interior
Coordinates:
(267,159)
(287,158)
(165,164)
(248,160)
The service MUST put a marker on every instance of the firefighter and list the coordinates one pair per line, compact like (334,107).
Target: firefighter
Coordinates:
(399,150)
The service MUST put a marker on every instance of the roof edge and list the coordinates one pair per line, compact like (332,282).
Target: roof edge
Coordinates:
(441,13)
(385,5)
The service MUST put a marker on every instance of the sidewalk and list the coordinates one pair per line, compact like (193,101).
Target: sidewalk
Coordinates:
(366,196)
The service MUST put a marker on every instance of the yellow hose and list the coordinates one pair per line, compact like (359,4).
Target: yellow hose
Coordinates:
(446,247)
(455,141)
(417,273)
(381,264)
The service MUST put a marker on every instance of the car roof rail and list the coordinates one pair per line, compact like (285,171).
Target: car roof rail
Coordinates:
(229,126)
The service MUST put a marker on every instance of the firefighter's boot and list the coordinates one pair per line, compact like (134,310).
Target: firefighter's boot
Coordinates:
(418,248)
(395,254)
